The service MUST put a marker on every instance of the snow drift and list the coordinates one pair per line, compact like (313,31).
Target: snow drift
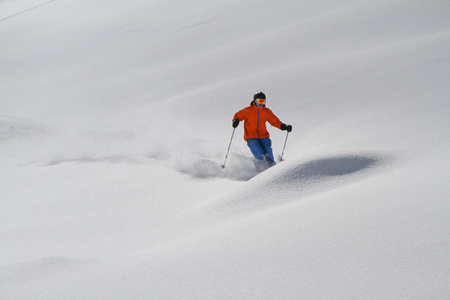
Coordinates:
(115,118)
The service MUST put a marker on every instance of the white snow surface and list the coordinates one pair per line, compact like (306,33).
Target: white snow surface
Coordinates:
(115,117)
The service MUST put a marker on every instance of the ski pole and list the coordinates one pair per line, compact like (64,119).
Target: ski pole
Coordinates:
(281,158)
(223,166)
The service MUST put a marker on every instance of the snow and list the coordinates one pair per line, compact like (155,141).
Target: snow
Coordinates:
(115,118)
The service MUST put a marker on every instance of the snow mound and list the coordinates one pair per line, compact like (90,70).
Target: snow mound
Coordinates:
(288,183)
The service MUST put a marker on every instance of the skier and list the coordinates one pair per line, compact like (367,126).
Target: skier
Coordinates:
(256,135)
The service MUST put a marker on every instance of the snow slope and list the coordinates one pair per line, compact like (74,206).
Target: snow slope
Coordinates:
(116,116)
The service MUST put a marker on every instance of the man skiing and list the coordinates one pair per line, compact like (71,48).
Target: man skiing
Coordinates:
(256,135)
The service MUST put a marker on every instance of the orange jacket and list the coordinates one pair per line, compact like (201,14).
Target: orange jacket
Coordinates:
(255,121)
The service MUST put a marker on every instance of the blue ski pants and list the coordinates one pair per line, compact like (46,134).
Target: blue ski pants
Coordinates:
(261,149)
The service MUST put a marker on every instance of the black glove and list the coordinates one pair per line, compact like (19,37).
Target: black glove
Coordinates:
(286,127)
(235,123)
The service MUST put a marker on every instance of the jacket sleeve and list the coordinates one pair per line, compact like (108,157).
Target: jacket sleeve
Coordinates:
(273,120)
(240,115)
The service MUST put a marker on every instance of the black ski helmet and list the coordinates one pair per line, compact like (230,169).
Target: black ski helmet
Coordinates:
(259,95)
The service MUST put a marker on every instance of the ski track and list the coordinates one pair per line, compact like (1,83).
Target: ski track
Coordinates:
(27,10)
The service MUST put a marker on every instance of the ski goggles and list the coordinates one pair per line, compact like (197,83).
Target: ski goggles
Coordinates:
(260,101)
